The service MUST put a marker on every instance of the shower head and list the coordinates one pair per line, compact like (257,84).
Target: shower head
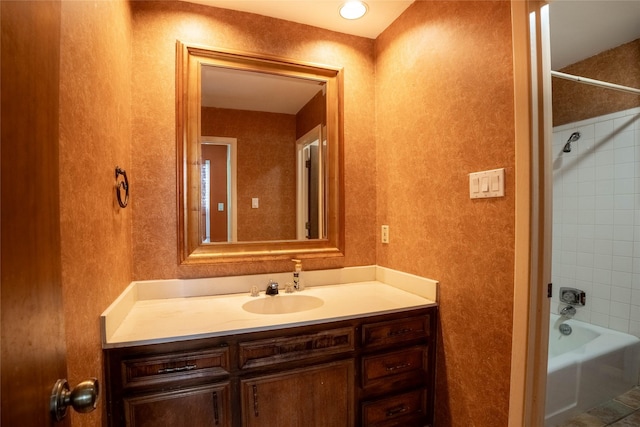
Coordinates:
(574,137)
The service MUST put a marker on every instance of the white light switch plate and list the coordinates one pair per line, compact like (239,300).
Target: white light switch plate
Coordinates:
(486,184)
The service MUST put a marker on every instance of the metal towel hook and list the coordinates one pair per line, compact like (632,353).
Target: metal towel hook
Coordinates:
(124,185)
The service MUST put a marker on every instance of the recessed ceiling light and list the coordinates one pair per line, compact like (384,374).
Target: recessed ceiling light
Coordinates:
(353,9)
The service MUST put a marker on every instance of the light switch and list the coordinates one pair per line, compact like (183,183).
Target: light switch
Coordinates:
(220,207)
(475,185)
(495,182)
(255,203)
(486,184)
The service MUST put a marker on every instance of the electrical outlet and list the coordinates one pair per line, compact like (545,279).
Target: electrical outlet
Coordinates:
(385,234)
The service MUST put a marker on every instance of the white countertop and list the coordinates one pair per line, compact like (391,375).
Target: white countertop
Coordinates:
(136,321)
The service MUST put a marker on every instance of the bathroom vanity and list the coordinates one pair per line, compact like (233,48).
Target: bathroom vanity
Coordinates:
(365,357)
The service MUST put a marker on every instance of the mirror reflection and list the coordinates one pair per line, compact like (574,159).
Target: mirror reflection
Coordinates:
(262,156)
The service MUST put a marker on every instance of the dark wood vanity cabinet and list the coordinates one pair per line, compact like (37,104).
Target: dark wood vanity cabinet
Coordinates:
(373,371)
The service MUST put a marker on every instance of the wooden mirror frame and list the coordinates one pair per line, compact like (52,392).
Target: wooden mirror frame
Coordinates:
(189,60)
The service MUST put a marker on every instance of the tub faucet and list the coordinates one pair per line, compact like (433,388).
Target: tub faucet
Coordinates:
(568,311)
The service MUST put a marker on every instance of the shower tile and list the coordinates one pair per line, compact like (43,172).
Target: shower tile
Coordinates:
(625,185)
(623,201)
(623,232)
(634,313)
(604,212)
(619,324)
(624,139)
(585,245)
(606,218)
(603,262)
(584,273)
(622,263)
(610,411)
(630,398)
(619,294)
(600,305)
(604,157)
(603,128)
(603,246)
(627,170)
(620,309)
(586,231)
(587,131)
(602,291)
(621,248)
(586,217)
(624,155)
(622,278)
(600,319)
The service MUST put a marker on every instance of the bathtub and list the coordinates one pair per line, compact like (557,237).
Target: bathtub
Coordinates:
(586,368)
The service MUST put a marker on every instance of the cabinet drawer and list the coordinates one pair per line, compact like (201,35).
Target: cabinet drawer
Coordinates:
(398,367)
(208,405)
(395,331)
(407,409)
(276,350)
(175,367)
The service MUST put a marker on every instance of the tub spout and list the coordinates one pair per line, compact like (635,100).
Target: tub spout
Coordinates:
(568,311)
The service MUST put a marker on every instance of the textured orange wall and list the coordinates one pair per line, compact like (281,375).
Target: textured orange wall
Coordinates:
(95,136)
(444,108)
(311,115)
(576,101)
(266,169)
(156,27)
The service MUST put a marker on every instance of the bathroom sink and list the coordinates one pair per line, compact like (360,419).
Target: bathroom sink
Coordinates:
(282,304)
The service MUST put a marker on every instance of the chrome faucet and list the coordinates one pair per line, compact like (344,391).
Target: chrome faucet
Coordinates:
(272,288)
(568,311)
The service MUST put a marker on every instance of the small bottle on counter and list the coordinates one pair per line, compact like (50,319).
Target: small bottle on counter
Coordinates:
(297,283)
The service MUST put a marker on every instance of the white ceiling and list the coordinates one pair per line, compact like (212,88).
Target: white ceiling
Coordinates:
(321,13)
(583,28)
(579,28)
(245,90)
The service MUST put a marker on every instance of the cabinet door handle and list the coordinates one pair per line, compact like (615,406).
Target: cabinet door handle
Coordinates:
(396,332)
(255,400)
(397,410)
(216,414)
(178,369)
(399,366)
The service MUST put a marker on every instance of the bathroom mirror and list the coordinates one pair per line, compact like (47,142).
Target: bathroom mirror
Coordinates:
(259,157)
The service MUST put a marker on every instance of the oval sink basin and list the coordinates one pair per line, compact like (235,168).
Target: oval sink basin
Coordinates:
(282,304)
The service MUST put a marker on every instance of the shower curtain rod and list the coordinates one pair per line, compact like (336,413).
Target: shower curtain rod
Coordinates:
(595,82)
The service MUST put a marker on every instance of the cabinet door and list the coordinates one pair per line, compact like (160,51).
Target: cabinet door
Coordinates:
(194,406)
(318,396)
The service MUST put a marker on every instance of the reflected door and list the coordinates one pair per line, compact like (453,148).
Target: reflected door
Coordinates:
(215,188)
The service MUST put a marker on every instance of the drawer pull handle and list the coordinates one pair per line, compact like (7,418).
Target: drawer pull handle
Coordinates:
(216,414)
(397,410)
(396,332)
(178,369)
(400,366)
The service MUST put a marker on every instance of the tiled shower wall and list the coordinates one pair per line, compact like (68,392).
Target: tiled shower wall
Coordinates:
(596,218)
